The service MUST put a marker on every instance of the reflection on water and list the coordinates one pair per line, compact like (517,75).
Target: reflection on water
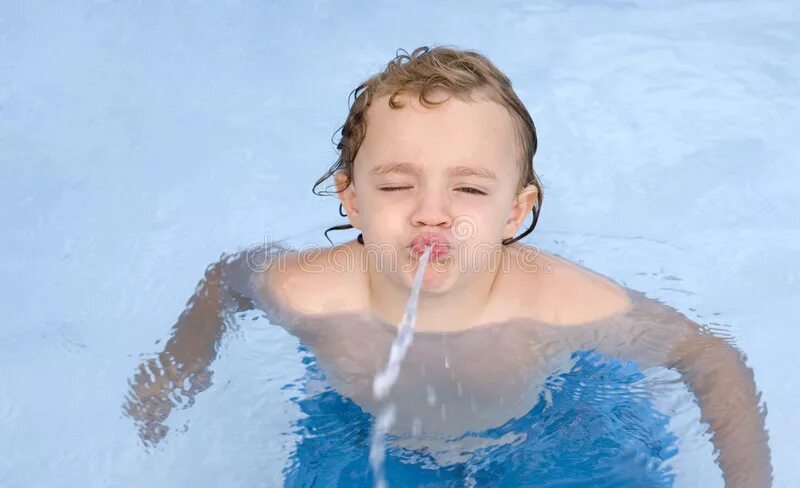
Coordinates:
(498,404)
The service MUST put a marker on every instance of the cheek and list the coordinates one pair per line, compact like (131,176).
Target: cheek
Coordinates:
(381,228)
(481,223)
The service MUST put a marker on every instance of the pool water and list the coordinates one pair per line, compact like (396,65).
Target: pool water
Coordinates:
(139,142)
(589,429)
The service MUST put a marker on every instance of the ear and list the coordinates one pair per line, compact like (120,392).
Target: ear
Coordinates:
(348,198)
(522,206)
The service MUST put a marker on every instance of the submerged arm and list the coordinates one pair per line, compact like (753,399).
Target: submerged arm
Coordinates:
(716,373)
(181,371)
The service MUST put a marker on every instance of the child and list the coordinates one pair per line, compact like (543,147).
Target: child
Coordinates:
(438,151)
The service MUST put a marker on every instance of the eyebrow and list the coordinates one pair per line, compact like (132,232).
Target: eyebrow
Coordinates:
(412,169)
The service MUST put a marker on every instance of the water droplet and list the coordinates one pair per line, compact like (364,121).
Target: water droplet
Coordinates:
(416,426)
(431,396)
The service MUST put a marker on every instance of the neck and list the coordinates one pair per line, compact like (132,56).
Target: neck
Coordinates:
(457,309)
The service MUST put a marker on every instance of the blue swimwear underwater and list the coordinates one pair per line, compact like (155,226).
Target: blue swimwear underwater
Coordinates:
(592,431)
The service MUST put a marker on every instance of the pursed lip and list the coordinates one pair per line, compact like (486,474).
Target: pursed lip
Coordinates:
(442,247)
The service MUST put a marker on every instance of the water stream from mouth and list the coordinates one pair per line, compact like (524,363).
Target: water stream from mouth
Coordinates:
(385,379)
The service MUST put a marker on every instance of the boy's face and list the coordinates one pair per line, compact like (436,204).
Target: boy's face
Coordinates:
(450,170)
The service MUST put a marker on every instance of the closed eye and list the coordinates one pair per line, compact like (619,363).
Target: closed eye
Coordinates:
(395,188)
(466,189)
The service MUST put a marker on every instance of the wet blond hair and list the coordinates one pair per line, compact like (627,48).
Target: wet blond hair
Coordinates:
(459,73)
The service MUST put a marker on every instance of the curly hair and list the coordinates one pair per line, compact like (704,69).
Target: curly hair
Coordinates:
(459,73)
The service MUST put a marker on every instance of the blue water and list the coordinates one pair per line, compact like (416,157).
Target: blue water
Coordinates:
(591,431)
(141,140)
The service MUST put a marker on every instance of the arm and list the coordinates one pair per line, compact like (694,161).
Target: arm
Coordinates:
(713,370)
(181,371)
(716,373)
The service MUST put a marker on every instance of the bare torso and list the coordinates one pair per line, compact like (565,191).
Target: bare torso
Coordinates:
(546,288)
(460,379)
(470,376)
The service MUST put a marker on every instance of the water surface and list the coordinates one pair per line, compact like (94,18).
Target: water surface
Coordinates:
(139,142)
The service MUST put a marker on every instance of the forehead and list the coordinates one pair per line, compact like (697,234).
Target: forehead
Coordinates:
(456,132)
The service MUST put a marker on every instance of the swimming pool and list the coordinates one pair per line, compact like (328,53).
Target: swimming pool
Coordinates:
(138,143)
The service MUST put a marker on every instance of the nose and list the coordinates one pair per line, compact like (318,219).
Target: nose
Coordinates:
(431,210)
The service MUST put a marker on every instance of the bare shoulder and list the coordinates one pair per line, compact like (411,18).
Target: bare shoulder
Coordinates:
(559,291)
(314,281)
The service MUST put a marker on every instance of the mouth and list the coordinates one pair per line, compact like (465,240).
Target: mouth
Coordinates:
(441,246)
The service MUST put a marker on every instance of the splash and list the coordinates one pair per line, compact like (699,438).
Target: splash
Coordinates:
(385,380)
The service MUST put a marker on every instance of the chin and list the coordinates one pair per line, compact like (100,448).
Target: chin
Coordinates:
(433,281)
